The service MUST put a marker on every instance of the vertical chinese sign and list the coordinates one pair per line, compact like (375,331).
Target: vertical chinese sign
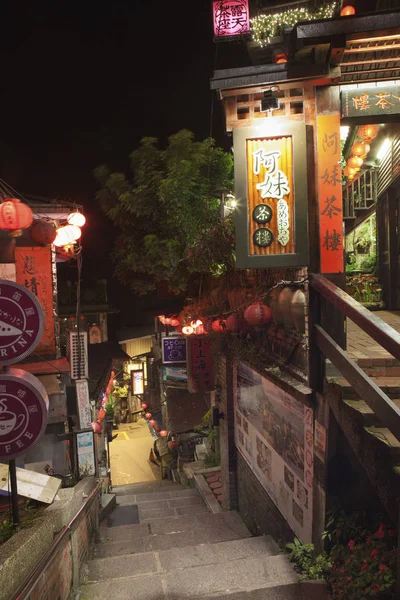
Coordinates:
(231,18)
(270,196)
(34,271)
(330,194)
(199,365)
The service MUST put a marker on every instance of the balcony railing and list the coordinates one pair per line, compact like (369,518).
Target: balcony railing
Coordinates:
(359,194)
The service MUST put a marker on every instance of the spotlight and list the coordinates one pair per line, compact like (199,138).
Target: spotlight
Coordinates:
(269,102)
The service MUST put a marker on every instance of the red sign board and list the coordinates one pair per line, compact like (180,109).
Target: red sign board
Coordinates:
(330,194)
(21,322)
(200,376)
(231,18)
(34,272)
(23,412)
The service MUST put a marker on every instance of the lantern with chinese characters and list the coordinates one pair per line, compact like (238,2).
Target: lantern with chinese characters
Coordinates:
(368,133)
(76,218)
(347,11)
(234,323)
(173,444)
(355,162)
(152,422)
(163,433)
(144,405)
(101,414)
(218,325)
(15,216)
(148,416)
(97,427)
(257,314)
(360,150)
(43,232)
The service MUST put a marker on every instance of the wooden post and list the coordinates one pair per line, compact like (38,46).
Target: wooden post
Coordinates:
(14,491)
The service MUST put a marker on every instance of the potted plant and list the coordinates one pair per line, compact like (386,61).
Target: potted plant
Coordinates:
(313,568)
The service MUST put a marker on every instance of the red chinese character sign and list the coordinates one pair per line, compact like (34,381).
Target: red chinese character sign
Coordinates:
(23,412)
(200,375)
(231,18)
(21,322)
(330,194)
(271,195)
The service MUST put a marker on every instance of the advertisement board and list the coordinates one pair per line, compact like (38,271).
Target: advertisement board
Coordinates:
(173,349)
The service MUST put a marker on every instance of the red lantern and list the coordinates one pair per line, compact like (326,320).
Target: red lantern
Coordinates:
(219,325)
(234,323)
(112,375)
(368,133)
(102,414)
(97,427)
(257,314)
(148,415)
(163,433)
(108,390)
(347,11)
(15,216)
(174,322)
(43,232)
(172,444)
(144,405)
(360,149)
(161,319)
(152,422)
(355,162)
(167,321)
(157,428)
(349,172)
(280,59)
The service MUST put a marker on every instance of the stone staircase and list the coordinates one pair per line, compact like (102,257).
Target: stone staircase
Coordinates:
(162,543)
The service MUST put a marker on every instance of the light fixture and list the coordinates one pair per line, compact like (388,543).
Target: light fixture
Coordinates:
(368,133)
(67,235)
(355,162)
(384,149)
(348,11)
(76,218)
(360,149)
(269,101)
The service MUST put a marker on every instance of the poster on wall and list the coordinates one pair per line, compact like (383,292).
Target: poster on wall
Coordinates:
(85,453)
(34,271)
(274,434)
(137,382)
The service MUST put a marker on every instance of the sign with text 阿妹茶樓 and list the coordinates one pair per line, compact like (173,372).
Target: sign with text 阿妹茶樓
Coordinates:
(271,196)
(370,101)
(173,349)
(230,18)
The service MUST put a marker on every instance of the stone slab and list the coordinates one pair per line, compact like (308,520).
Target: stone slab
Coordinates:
(123,532)
(146,488)
(123,515)
(122,566)
(129,588)
(155,513)
(108,503)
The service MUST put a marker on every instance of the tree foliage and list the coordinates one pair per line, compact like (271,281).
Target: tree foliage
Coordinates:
(168,212)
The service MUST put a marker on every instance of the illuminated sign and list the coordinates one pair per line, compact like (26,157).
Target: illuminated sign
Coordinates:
(137,382)
(271,191)
(365,102)
(231,18)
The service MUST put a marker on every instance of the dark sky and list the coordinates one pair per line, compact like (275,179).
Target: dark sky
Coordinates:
(83,81)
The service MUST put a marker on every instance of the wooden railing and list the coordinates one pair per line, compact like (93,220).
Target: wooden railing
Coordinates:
(359,194)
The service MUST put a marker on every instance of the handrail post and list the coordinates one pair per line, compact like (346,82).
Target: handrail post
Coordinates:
(316,360)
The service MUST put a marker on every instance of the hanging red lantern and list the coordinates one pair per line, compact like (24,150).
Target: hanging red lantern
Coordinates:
(76,218)
(43,232)
(152,422)
(148,415)
(157,428)
(144,405)
(360,149)
(368,133)
(234,323)
(187,330)
(257,314)
(349,172)
(172,444)
(112,375)
(161,318)
(280,59)
(15,216)
(218,325)
(167,321)
(355,162)
(347,11)
(97,427)
(201,330)
(108,390)
(174,322)
(163,433)
(101,414)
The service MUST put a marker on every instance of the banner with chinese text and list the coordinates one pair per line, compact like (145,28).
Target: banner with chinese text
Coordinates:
(199,364)
(371,101)
(34,271)
(231,18)
(274,434)
(330,194)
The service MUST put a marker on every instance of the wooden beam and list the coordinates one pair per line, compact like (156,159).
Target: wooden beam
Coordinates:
(380,331)
(387,412)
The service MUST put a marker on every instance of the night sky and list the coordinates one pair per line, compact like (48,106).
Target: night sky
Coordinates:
(82,82)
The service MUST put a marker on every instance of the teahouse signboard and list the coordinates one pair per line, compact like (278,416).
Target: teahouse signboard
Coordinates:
(271,195)
(370,101)
(230,18)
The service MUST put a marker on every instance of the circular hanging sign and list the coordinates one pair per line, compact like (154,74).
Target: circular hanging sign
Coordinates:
(21,322)
(23,412)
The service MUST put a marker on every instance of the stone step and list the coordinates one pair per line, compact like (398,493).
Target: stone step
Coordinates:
(389,385)
(366,413)
(147,487)
(387,438)
(181,558)
(157,496)
(174,525)
(238,576)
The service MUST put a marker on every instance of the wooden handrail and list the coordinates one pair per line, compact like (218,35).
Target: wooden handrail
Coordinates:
(380,331)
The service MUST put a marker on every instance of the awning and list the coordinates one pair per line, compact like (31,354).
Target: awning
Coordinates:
(185,410)
(51,367)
